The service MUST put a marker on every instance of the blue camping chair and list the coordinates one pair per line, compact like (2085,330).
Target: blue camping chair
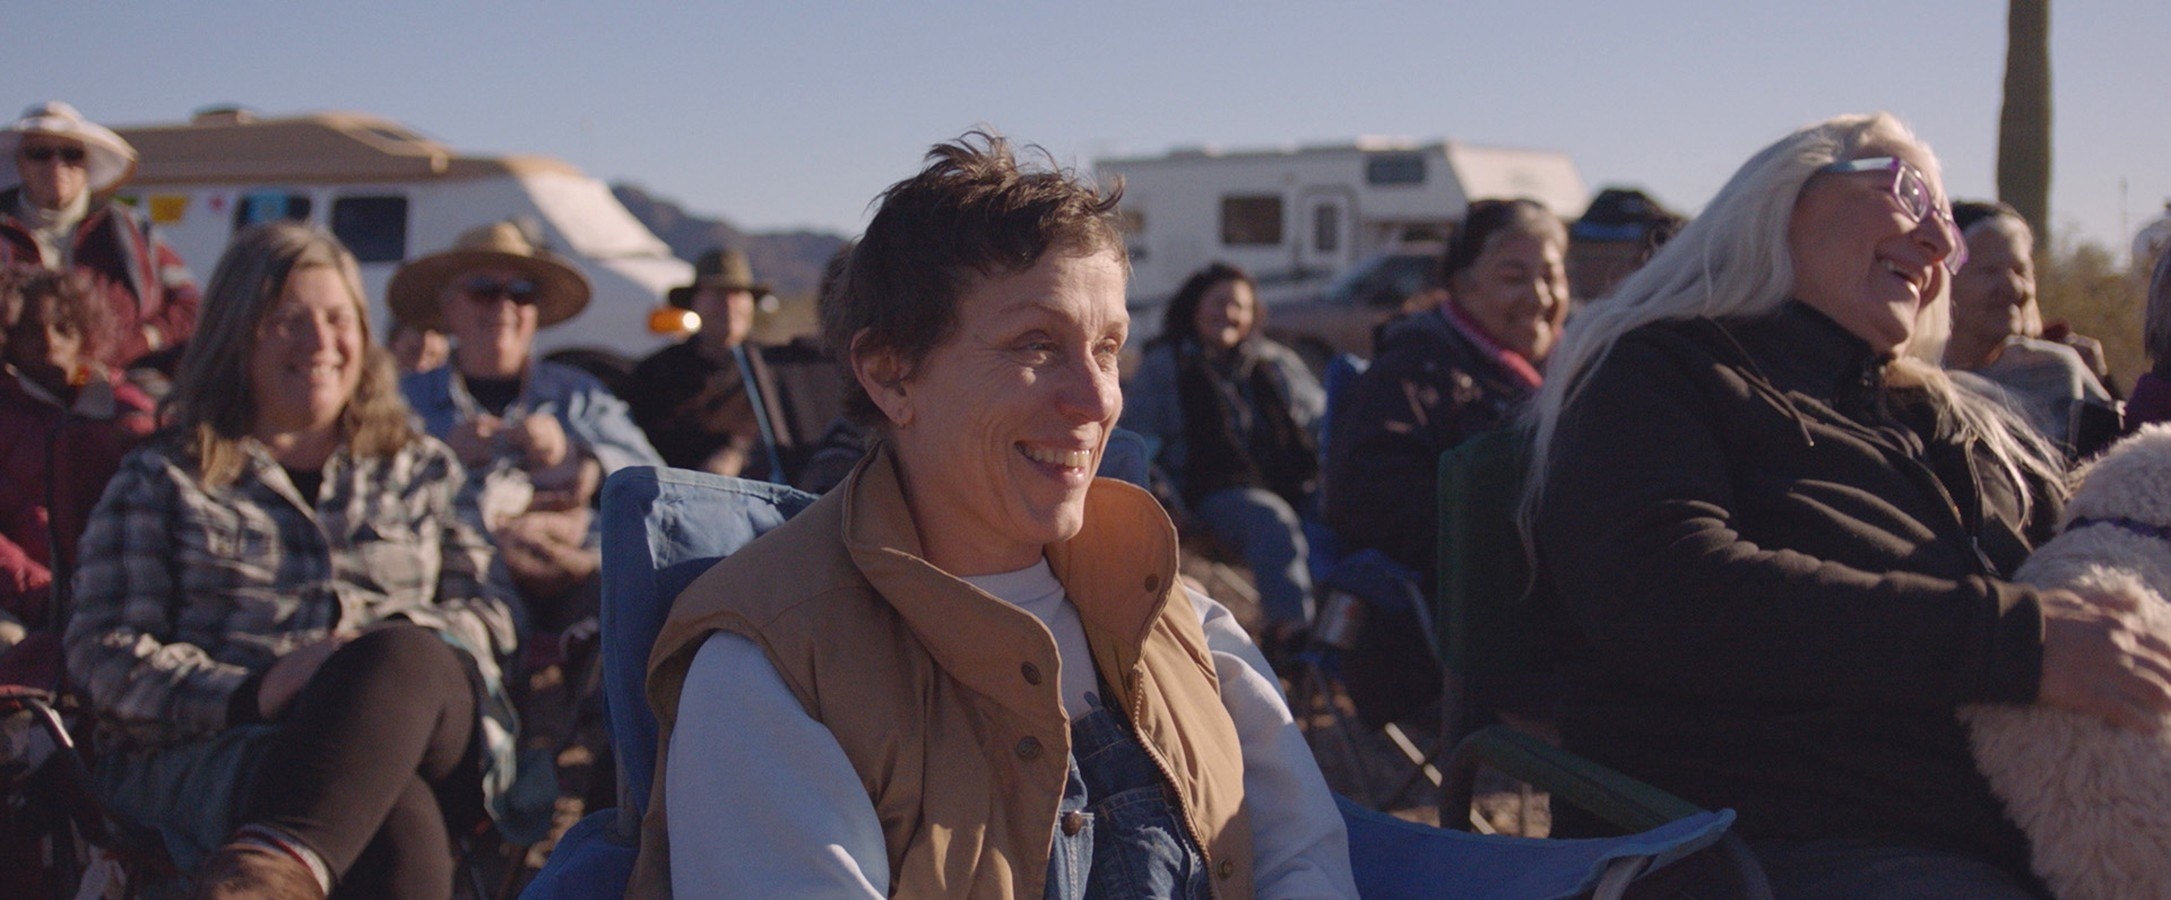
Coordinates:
(1395,859)
(663,527)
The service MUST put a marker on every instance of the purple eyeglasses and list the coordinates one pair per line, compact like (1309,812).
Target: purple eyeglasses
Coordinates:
(1913,191)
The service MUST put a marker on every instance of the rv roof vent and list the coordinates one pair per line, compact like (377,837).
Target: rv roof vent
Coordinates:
(223,114)
(1384,142)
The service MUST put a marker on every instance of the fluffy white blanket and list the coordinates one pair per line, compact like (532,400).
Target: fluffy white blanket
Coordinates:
(2094,800)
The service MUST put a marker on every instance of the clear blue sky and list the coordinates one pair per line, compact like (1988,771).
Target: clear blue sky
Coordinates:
(797,113)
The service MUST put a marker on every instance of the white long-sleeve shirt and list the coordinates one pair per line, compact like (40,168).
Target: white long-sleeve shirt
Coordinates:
(764,802)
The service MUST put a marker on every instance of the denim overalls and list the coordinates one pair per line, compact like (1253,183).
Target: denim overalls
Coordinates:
(1118,830)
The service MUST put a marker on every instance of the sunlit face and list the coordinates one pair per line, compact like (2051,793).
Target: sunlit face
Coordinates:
(1225,314)
(1516,290)
(1993,296)
(46,345)
(309,353)
(999,430)
(727,316)
(1859,258)
(492,330)
(59,178)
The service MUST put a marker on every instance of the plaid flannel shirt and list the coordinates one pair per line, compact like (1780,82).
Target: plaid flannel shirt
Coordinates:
(182,593)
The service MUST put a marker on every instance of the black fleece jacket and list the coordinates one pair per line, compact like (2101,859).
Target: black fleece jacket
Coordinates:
(1788,576)
(1429,389)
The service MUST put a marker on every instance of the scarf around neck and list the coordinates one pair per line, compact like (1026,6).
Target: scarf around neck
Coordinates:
(53,229)
(1509,361)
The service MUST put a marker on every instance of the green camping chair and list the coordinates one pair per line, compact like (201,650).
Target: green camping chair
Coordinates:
(1497,628)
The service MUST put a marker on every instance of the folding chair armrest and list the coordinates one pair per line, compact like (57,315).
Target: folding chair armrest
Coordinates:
(1618,799)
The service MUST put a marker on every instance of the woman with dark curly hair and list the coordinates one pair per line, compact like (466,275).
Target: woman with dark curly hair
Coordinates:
(1232,413)
(1443,375)
(66,419)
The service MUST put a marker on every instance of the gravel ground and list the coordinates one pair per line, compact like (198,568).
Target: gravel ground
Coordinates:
(1367,765)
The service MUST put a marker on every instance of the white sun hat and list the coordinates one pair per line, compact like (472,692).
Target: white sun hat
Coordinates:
(110,159)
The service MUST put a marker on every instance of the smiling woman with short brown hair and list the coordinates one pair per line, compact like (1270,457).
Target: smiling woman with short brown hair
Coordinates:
(970,669)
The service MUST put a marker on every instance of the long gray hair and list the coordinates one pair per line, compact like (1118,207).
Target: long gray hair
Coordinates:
(1733,260)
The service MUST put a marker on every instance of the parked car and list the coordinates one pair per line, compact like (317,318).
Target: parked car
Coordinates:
(1341,318)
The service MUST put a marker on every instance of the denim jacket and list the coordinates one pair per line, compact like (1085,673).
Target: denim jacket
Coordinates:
(595,420)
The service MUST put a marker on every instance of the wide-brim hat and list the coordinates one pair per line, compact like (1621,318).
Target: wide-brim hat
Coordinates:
(417,289)
(108,162)
(725,269)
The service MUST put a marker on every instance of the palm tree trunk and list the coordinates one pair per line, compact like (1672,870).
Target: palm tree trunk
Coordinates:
(2024,123)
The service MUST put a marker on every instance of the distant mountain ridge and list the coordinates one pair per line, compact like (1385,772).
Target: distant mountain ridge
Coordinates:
(791,261)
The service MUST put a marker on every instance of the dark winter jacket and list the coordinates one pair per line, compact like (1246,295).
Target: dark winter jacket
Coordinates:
(691,407)
(1432,386)
(1788,576)
(55,461)
(148,288)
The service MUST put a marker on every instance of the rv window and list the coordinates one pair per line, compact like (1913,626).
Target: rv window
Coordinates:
(1251,220)
(1327,228)
(375,228)
(1395,168)
(257,207)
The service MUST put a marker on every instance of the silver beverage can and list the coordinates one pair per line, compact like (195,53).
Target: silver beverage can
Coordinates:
(1340,621)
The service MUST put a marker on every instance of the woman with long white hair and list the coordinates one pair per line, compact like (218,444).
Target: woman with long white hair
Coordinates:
(1784,535)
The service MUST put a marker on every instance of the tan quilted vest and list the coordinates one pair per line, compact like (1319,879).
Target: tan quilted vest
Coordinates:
(945,700)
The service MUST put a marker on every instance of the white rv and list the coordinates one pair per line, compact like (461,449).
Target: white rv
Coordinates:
(1295,217)
(391,195)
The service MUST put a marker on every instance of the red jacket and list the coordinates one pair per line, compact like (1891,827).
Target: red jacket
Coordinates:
(54,465)
(146,283)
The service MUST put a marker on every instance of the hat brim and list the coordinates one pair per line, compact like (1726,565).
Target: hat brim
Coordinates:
(417,290)
(108,160)
(683,295)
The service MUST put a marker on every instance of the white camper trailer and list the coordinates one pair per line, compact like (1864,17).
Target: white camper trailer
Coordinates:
(1295,217)
(391,195)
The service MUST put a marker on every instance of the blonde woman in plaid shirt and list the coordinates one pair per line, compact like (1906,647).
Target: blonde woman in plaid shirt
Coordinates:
(283,612)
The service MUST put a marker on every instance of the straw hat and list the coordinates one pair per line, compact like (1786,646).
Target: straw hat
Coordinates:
(110,160)
(726,269)
(417,288)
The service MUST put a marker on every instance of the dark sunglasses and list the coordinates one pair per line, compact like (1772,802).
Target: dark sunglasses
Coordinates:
(46,154)
(518,290)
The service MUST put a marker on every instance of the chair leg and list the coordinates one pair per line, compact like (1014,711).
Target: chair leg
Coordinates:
(1420,761)
(1457,789)
(1314,695)
(1614,884)
(1754,884)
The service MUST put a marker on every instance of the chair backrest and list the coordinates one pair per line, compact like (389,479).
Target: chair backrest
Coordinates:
(1339,376)
(662,528)
(1127,458)
(803,392)
(1492,616)
(1336,380)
